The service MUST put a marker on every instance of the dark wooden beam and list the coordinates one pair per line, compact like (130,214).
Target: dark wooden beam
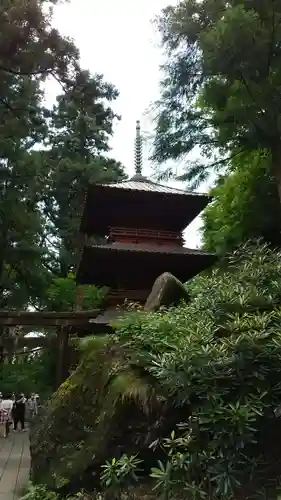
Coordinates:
(33,342)
(47,318)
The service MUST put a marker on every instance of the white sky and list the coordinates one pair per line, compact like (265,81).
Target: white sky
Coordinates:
(117,38)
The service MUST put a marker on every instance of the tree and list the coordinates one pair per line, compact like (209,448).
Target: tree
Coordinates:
(21,273)
(30,51)
(222,81)
(81,126)
(29,373)
(245,205)
(30,46)
(62,295)
(42,189)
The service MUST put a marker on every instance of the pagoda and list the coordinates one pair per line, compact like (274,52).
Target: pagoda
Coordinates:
(140,224)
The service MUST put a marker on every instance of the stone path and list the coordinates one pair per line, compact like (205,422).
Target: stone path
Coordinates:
(14,465)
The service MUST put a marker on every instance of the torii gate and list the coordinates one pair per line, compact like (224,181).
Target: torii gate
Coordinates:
(64,323)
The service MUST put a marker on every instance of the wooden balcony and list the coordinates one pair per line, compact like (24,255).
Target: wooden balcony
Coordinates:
(145,236)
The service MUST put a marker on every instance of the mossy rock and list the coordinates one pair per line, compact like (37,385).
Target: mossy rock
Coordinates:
(107,407)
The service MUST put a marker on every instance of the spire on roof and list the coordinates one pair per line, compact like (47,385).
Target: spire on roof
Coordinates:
(138,150)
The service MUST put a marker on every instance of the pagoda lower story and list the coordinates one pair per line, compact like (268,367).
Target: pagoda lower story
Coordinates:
(129,270)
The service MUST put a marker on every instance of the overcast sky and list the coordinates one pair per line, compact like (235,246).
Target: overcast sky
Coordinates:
(117,38)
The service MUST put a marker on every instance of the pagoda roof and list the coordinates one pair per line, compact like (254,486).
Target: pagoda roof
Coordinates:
(161,249)
(121,264)
(140,183)
(139,203)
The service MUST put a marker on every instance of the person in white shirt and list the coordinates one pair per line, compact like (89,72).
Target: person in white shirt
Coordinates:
(6,407)
(32,406)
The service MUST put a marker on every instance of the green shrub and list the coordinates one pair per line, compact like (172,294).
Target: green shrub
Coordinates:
(39,492)
(34,373)
(210,369)
(62,295)
(220,358)
(117,473)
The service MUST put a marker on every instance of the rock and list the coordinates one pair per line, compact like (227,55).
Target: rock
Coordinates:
(108,406)
(166,291)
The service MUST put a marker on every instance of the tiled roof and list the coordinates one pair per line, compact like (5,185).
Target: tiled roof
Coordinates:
(139,183)
(131,247)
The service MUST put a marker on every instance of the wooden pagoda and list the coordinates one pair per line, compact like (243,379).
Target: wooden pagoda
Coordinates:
(141,224)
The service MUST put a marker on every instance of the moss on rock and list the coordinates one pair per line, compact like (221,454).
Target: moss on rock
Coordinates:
(108,406)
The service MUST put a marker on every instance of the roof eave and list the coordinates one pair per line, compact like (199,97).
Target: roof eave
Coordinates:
(211,258)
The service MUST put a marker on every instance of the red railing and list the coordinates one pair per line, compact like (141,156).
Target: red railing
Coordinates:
(149,236)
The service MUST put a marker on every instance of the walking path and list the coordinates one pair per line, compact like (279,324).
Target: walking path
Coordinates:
(14,465)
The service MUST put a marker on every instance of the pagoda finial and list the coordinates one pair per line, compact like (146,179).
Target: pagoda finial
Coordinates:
(138,150)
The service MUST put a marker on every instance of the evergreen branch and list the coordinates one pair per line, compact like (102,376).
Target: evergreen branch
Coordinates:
(51,269)
(34,350)
(25,73)
(10,108)
(250,93)
(222,161)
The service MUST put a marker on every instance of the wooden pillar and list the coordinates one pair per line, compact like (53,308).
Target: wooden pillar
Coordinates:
(79,298)
(62,343)
(2,352)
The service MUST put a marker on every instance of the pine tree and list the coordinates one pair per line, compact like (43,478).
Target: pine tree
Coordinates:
(81,127)
(47,157)
(221,89)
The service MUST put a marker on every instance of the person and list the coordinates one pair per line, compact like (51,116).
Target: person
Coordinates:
(19,412)
(32,406)
(6,406)
(29,407)
(37,400)
(14,407)
(3,421)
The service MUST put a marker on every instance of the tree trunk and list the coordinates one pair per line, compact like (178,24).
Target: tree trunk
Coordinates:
(62,359)
(79,298)
(2,354)
(276,164)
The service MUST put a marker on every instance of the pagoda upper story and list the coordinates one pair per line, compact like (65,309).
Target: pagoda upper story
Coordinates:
(142,224)
(139,203)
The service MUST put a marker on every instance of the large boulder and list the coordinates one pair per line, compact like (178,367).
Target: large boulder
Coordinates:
(107,407)
(166,291)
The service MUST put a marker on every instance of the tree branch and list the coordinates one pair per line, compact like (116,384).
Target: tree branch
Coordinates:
(25,73)
(247,87)
(271,43)
(225,160)
(56,273)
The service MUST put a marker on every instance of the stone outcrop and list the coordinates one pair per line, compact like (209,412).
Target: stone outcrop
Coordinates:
(166,291)
(107,407)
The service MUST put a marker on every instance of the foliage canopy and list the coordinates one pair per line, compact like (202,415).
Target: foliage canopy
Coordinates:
(222,81)
(48,156)
(245,205)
